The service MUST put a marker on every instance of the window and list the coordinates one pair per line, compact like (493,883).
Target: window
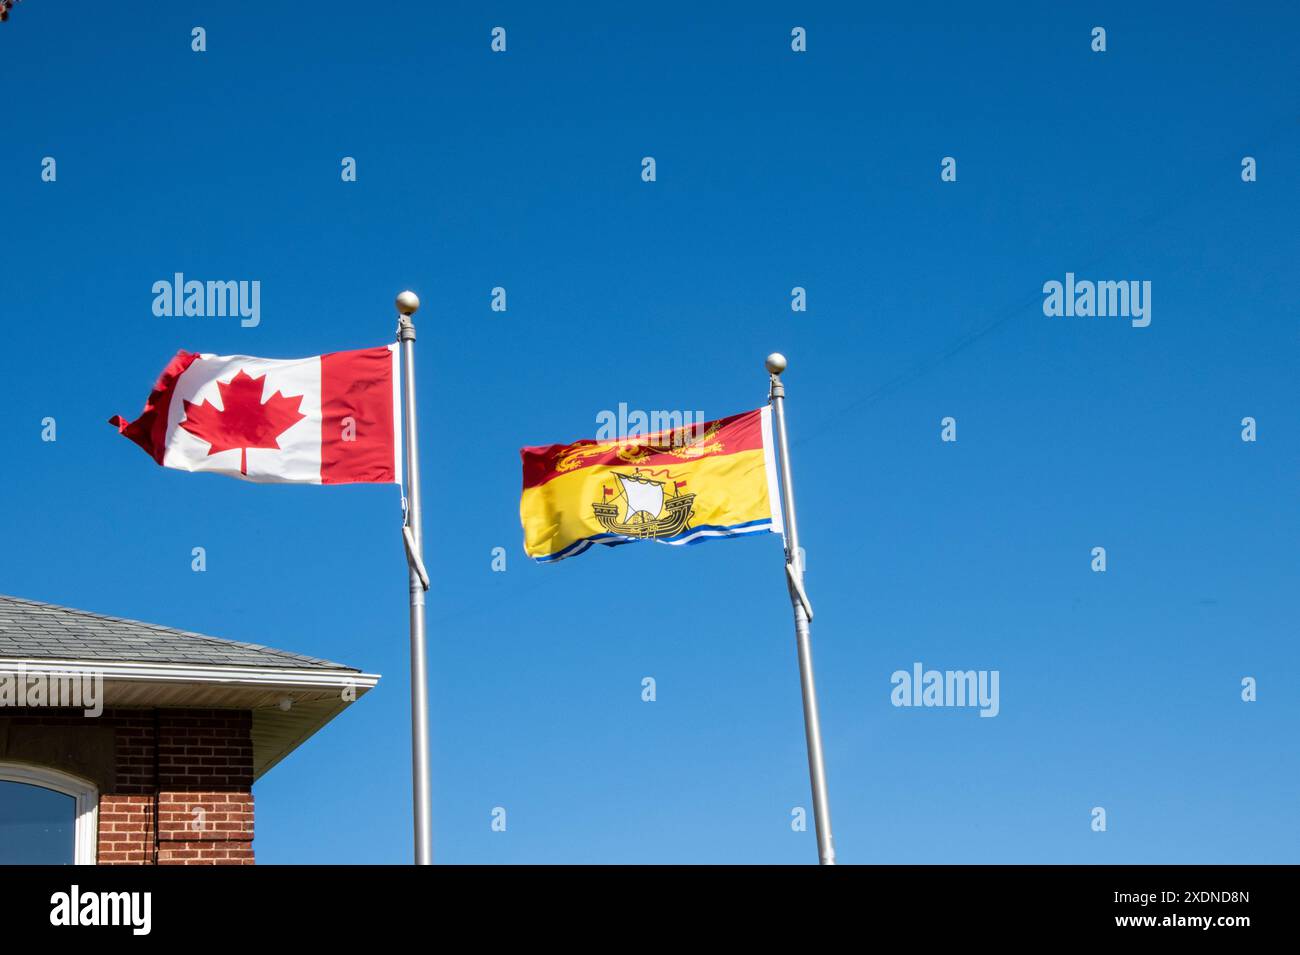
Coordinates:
(46,817)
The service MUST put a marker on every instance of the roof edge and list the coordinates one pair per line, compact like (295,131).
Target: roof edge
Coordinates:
(75,612)
(198,673)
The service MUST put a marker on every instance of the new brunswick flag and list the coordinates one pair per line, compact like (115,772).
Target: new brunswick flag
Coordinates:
(679,486)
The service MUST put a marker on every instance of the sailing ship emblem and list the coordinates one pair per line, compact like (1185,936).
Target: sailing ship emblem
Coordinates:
(647,512)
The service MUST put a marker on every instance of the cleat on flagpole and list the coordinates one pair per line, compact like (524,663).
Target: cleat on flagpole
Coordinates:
(413,559)
(799,592)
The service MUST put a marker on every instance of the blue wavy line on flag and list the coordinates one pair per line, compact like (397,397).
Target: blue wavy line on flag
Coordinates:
(693,535)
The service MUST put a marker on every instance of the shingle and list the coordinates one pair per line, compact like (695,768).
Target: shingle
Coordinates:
(33,630)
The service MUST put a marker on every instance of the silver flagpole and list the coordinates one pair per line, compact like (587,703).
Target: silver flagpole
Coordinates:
(413,536)
(802,616)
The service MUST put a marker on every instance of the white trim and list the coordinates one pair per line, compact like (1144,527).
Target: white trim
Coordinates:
(769,465)
(398,431)
(691,538)
(192,673)
(86,794)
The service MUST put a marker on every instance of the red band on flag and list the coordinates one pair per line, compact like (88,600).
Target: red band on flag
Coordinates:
(739,432)
(150,429)
(357,429)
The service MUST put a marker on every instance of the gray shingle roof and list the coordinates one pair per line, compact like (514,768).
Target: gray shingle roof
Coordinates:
(32,630)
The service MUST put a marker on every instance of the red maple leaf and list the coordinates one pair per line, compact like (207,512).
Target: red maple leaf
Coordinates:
(246,422)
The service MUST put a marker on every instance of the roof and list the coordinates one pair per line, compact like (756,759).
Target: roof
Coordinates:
(144,665)
(33,630)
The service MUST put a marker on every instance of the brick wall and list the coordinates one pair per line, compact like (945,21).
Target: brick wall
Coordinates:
(196,809)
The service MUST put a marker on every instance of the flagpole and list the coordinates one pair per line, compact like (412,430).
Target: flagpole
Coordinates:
(413,535)
(802,617)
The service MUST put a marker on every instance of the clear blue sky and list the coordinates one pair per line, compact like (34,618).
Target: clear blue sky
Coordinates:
(775,169)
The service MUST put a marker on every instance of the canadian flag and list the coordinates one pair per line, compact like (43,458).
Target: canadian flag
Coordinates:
(329,419)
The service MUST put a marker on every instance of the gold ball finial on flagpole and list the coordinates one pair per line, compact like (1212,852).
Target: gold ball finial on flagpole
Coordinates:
(776,363)
(408,303)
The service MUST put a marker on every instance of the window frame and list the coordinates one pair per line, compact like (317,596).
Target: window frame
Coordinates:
(85,843)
